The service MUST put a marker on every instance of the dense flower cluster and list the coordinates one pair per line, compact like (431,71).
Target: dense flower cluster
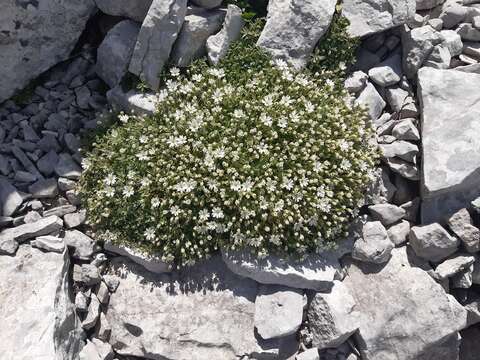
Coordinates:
(269,159)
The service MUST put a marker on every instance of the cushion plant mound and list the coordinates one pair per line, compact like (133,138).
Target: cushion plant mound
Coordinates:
(248,154)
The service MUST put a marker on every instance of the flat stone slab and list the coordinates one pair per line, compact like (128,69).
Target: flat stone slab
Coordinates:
(204,312)
(315,272)
(450,102)
(38,318)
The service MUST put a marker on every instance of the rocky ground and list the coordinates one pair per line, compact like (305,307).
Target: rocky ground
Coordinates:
(404,285)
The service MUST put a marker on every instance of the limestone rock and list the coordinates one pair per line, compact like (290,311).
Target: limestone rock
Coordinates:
(204,310)
(406,130)
(388,72)
(371,100)
(462,225)
(87,274)
(387,214)
(49,243)
(315,272)
(356,82)
(468,32)
(451,151)
(155,39)
(371,17)
(192,39)
(132,101)
(294,28)
(452,41)
(374,245)
(44,226)
(150,262)
(417,47)
(432,242)
(115,52)
(278,311)
(454,265)
(35,36)
(218,44)
(44,189)
(310,354)
(135,10)
(82,245)
(93,313)
(38,318)
(332,317)
(428,4)
(398,233)
(67,167)
(392,332)
(10,199)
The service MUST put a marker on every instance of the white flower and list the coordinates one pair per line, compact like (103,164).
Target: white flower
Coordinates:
(86,164)
(110,192)
(175,210)
(203,215)
(111,179)
(145,182)
(143,139)
(155,202)
(287,184)
(218,73)
(275,240)
(197,77)
(345,164)
(217,96)
(185,186)
(217,213)
(266,120)
(149,234)
(330,83)
(282,123)
(238,113)
(143,156)
(176,141)
(123,118)
(174,71)
(128,191)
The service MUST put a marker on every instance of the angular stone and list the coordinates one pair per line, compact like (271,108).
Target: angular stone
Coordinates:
(439,58)
(387,214)
(103,294)
(132,101)
(374,245)
(44,189)
(115,52)
(38,318)
(67,167)
(452,41)
(356,82)
(388,72)
(31,41)
(417,46)
(155,39)
(83,246)
(463,279)
(204,310)
(381,190)
(10,199)
(371,17)
(60,211)
(218,44)
(44,226)
(151,262)
(74,220)
(46,164)
(461,224)
(278,311)
(398,234)
(192,39)
(454,265)
(406,130)
(81,301)
(315,272)
(402,149)
(93,313)
(294,28)
(49,243)
(8,246)
(135,10)
(371,100)
(451,150)
(468,32)
(332,317)
(428,4)
(310,354)
(87,274)
(432,242)
(391,332)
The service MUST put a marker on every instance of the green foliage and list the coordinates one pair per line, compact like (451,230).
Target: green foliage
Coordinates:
(250,154)
(336,51)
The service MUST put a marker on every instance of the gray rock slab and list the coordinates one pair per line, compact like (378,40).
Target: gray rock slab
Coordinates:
(450,102)
(135,10)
